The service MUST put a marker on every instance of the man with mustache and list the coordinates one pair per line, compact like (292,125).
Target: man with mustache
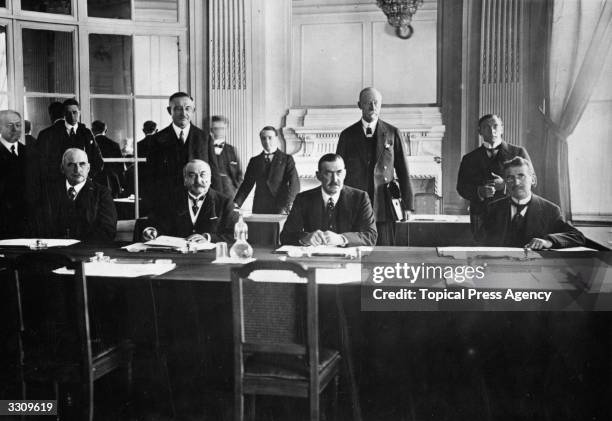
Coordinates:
(171,148)
(480,174)
(524,219)
(195,212)
(374,153)
(332,214)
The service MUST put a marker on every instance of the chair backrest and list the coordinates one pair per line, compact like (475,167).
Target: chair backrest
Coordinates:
(63,309)
(275,317)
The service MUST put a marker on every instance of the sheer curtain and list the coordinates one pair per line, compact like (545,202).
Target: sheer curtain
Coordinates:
(580,37)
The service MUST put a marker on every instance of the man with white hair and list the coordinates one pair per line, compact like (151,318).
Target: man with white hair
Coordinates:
(78,207)
(195,212)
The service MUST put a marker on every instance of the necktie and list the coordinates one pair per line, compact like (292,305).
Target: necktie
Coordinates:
(13,151)
(330,214)
(72,193)
(519,208)
(369,131)
(72,133)
(181,137)
(196,205)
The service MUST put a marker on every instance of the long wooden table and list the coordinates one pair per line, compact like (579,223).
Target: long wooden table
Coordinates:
(401,353)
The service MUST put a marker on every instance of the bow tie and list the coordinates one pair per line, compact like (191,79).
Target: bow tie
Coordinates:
(219,144)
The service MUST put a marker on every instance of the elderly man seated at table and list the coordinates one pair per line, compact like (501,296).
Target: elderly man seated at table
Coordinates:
(524,219)
(195,212)
(78,207)
(332,214)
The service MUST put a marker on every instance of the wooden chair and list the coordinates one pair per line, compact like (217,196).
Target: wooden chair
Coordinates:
(276,338)
(66,357)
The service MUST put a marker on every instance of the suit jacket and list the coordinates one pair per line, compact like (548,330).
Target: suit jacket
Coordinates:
(390,158)
(354,215)
(543,219)
(90,217)
(21,187)
(274,191)
(229,167)
(167,157)
(216,216)
(112,176)
(54,140)
(476,168)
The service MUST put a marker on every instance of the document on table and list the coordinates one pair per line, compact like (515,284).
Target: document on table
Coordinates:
(169,243)
(323,251)
(121,270)
(31,242)
(462,253)
(349,273)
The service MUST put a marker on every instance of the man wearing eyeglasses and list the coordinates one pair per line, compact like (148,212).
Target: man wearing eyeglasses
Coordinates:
(524,219)
(172,147)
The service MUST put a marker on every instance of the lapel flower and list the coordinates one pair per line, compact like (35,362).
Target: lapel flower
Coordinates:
(387,145)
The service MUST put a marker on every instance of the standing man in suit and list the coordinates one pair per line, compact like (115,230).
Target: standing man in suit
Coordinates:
(480,173)
(195,211)
(172,147)
(65,134)
(20,179)
(274,175)
(230,174)
(29,139)
(78,207)
(112,174)
(373,151)
(524,219)
(332,214)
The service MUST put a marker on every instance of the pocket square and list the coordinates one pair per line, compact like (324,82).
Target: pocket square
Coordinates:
(233,163)
(213,217)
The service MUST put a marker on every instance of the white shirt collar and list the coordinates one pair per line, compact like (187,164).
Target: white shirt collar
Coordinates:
(488,146)
(8,145)
(68,127)
(271,152)
(178,131)
(519,202)
(77,187)
(372,125)
(334,197)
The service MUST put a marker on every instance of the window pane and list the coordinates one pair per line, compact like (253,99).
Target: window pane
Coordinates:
(110,64)
(3,70)
(114,9)
(156,10)
(156,65)
(2,3)
(151,109)
(48,61)
(117,114)
(37,111)
(62,7)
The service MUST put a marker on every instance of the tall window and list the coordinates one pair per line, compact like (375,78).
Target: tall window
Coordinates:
(119,58)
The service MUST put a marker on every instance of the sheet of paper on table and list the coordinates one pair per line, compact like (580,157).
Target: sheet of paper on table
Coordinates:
(422,217)
(574,249)
(121,270)
(326,251)
(462,253)
(349,273)
(31,242)
(233,260)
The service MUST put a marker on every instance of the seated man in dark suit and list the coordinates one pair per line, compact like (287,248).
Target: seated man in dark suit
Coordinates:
(78,207)
(524,219)
(195,212)
(333,214)
(274,175)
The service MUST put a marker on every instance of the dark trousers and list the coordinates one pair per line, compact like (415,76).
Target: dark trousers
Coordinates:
(386,233)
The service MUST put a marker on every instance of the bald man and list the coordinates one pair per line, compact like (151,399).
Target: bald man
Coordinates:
(20,179)
(78,207)
(373,151)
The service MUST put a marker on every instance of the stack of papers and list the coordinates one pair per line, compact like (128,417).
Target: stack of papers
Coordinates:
(462,253)
(166,242)
(324,251)
(31,242)
(121,270)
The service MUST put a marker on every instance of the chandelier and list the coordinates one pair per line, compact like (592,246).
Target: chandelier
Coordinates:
(399,15)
